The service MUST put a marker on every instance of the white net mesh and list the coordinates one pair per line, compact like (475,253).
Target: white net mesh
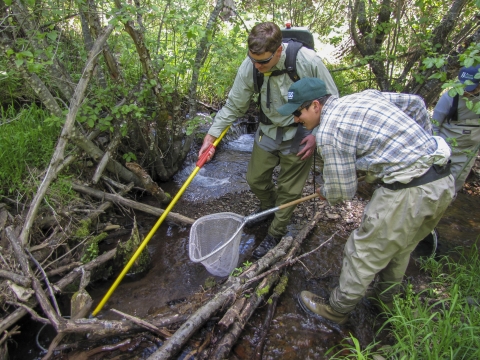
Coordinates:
(212,232)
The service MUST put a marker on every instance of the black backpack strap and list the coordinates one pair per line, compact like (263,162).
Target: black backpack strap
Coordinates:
(453,113)
(291,59)
(257,79)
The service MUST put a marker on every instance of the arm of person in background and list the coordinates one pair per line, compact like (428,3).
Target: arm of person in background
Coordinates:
(339,174)
(413,106)
(236,106)
(441,111)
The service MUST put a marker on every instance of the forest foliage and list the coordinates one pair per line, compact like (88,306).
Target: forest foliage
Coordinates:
(165,58)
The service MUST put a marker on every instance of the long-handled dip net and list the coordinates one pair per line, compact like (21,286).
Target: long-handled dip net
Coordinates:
(215,239)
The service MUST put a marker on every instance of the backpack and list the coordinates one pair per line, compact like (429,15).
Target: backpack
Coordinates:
(453,113)
(295,38)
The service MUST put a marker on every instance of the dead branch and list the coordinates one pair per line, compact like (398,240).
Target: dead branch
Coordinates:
(223,348)
(47,283)
(288,262)
(30,311)
(149,185)
(8,334)
(19,279)
(107,155)
(232,314)
(143,324)
(13,318)
(63,269)
(42,298)
(59,153)
(173,217)
(74,274)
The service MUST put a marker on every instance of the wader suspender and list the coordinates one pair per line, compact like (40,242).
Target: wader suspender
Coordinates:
(291,70)
(453,113)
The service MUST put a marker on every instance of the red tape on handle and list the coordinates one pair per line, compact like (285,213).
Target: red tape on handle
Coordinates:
(203,158)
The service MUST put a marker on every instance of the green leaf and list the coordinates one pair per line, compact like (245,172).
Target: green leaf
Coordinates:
(26,53)
(439,62)
(19,62)
(8,2)
(468,62)
(429,62)
(52,35)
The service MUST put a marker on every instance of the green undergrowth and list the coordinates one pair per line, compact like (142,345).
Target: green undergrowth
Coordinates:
(26,147)
(441,322)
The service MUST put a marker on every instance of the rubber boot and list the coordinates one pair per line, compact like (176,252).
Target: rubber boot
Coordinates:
(373,297)
(265,246)
(319,306)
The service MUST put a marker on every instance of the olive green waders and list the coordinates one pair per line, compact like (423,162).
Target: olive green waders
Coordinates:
(393,223)
(290,182)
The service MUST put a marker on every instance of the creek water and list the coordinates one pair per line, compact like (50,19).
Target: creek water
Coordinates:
(293,334)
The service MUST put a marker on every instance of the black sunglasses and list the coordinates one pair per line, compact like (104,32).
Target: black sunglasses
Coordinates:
(298,112)
(261,62)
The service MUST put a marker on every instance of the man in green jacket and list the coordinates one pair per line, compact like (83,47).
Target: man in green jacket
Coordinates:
(278,141)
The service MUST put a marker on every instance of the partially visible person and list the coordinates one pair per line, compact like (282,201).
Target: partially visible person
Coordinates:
(278,141)
(388,136)
(460,123)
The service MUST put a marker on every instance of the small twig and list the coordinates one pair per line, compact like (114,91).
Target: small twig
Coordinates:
(68,252)
(64,268)
(287,262)
(7,334)
(143,323)
(305,266)
(45,278)
(32,312)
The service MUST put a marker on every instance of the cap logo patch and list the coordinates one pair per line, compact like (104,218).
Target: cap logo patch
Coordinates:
(290,95)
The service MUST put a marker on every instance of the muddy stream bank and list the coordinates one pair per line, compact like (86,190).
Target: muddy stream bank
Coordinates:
(221,186)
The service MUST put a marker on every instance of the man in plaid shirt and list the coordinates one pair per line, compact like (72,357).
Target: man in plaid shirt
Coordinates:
(389,137)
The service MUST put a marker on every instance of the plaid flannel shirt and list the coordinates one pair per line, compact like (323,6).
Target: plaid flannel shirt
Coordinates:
(379,133)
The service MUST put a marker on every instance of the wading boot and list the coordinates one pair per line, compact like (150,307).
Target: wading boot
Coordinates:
(380,305)
(320,306)
(265,246)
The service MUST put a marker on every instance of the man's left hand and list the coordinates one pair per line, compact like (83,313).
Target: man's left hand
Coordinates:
(309,148)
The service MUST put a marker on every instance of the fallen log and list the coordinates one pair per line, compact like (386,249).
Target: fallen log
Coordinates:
(173,217)
(223,347)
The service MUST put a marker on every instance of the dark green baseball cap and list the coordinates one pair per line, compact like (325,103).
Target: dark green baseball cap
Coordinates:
(303,90)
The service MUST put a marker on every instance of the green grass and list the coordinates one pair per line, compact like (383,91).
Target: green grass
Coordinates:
(26,146)
(441,322)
